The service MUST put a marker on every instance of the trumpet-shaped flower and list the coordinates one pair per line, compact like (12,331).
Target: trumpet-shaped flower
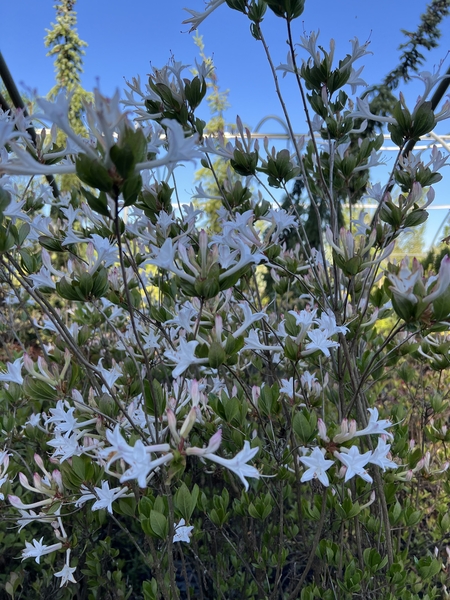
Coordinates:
(198,17)
(319,341)
(375,426)
(13,372)
(379,456)
(104,497)
(355,463)
(182,532)
(184,357)
(238,464)
(317,466)
(66,574)
(38,549)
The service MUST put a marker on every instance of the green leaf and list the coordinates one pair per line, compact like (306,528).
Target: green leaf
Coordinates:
(51,244)
(66,290)
(100,285)
(145,506)
(185,501)
(93,173)
(98,204)
(123,160)
(131,189)
(39,390)
(150,589)
(86,283)
(305,426)
(159,524)
(23,233)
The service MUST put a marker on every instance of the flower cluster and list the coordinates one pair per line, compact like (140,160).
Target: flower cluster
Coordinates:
(177,374)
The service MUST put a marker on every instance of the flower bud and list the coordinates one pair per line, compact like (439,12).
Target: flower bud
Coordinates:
(322,430)
(172,423)
(188,423)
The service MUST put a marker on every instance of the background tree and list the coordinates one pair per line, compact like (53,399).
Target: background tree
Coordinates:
(67,48)
(425,38)
(382,102)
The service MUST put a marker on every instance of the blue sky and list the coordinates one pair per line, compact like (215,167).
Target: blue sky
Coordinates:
(125,37)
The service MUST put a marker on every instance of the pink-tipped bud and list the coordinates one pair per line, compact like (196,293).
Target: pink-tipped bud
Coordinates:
(37,481)
(188,423)
(213,446)
(172,423)
(15,501)
(40,463)
(57,478)
(24,481)
(195,393)
(215,441)
(28,363)
(322,430)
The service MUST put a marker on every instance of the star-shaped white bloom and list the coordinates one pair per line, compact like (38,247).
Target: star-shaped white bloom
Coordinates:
(238,463)
(13,372)
(141,464)
(38,549)
(355,463)
(110,376)
(182,532)
(319,341)
(104,496)
(184,357)
(66,575)
(66,445)
(374,426)
(379,456)
(317,466)
(64,420)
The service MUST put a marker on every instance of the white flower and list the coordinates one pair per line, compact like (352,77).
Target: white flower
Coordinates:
(38,549)
(355,463)
(379,456)
(363,112)
(66,445)
(104,496)
(184,357)
(327,322)
(43,279)
(288,388)
(238,463)
(249,318)
(66,575)
(317,466)
(110,376)
(65,421)
(165,259)
(67,571)
(252,343)
(182,532)
(13,372)
(141,464)
(198,17)
(319,341)
(374,426)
